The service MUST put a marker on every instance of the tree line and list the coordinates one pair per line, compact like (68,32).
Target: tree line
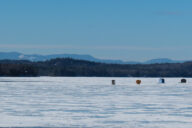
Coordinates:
(72,67)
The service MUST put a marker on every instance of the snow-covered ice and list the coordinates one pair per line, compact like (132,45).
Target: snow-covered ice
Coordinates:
(94,102)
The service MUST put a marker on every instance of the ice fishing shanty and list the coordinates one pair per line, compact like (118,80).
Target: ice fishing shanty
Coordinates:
(113,82)
(161,81)
(183,81)
(138,82)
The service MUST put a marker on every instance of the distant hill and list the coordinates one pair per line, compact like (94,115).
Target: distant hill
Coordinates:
(162,60)
(36,57)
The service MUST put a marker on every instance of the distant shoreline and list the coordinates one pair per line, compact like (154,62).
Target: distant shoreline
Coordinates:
(67,67)
(87,77)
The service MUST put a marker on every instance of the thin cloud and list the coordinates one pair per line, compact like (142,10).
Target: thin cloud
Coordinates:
(169,13)
(87,47)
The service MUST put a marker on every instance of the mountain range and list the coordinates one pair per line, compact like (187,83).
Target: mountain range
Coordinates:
(37,57)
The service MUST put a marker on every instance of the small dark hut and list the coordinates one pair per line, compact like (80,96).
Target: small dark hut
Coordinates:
(183,81)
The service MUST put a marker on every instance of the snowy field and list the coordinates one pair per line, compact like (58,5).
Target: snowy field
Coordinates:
(94,102)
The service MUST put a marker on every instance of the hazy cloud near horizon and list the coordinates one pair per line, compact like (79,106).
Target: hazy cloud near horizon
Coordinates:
(93,50)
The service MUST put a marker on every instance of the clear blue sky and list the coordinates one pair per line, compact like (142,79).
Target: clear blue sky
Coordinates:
(113,29)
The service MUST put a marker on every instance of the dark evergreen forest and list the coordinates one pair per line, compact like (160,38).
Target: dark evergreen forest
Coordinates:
(71,67)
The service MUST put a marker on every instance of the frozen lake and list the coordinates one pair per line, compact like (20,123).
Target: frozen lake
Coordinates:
(94,102)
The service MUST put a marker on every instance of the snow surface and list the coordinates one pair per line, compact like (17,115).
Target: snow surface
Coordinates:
(94,102)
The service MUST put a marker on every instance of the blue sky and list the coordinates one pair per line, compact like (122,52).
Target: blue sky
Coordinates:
(112,29)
